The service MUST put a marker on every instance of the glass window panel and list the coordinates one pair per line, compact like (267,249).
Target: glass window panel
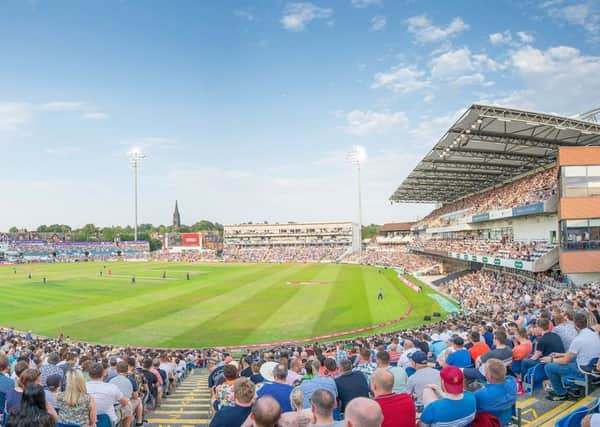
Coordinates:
(570,171)
(575,186)
(573,223)
(593,171)
(594,222)
(593,186)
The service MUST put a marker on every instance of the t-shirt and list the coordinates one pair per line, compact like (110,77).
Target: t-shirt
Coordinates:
(437,347)
(13,399)
(522,351)
(123,384)
(335,424)
(308,387)
(459,412)
(106,395)
(351,385)
(478,349)
(280,392)
(231,416)
(6,383)
(550,343)
(398,409)
(460,359)
(400,379)
(497,399)
(420,379)
(586,346)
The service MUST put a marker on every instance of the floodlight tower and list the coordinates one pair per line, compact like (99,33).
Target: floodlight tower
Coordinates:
(135,155)
(358,156)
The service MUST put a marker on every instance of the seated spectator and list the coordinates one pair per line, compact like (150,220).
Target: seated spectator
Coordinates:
(584,348)
(459,356)
(365,365)
(438,345)
(256,377)
(308,387)
(126,387)
(27,377)
(53,383)
(397,409)
(423,376)
(400,377)
(564,328)
(278,389)
(546,343)
(299,417)
(522,346)
(499,395)
(75,406)
(6,382)
(448,404)
(363,412)
(591,420)
(322,404)
(500,351)
(224,395)
(106,396)
(350,384)
(149,378)
(295,372)
(32,409)
(265,413)
(235,415)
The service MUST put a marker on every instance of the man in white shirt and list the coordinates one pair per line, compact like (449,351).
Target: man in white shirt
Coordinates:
(106,395)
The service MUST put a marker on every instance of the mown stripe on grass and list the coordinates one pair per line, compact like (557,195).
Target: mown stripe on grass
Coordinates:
(295,318)
(160,332)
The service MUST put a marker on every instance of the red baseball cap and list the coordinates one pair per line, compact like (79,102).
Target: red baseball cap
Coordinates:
(453,379)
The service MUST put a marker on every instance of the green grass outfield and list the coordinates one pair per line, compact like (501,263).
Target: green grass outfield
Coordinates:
(222,304)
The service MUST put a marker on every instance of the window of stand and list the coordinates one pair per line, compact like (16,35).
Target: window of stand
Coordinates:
(580,181)
(580,234)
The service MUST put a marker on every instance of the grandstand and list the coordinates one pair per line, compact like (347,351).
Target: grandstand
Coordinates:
(300,242)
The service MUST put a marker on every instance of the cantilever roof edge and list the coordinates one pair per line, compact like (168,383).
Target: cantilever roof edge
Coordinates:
(490,145)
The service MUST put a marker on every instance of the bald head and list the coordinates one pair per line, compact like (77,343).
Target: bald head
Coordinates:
(363,412)
(265,412)
(382,381)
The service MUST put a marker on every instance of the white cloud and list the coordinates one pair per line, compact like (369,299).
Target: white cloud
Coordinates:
(362,123)
(14,115)
(585,15)
(425,32)
(501,38)
(298,15)
(148,143)
(401,79)
(57,106)
(460,67)
(559,78)
(469,79)
(525,37)
(361,4)
(244,14)
(378,23)
(95,116)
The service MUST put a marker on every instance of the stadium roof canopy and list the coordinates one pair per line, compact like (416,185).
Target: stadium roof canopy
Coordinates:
(488,146)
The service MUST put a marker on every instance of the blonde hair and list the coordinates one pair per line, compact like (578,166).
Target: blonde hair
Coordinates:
(297,399)
(75,387)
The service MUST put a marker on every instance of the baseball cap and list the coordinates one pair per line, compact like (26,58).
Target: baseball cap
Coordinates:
(266,370)
(453,379)
(419,357)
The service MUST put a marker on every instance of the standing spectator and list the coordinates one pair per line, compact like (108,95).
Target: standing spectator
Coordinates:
(75,406)
(365,365)
(350,384)
(6,382)
(448,404)
(398,409)
(51,368)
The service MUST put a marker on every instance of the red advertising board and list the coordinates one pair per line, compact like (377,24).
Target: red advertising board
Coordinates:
(190,239)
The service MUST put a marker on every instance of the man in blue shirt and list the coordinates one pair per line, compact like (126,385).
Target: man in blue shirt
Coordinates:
(234,416)
(500,393)
(448,404)
(278,389)
(6,382)
(459,357)
(308,387)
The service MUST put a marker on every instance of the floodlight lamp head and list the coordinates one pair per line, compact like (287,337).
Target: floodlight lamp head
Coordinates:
(135,155)
(358,155)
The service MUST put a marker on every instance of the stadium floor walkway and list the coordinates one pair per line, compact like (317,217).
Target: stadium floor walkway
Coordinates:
(188,406)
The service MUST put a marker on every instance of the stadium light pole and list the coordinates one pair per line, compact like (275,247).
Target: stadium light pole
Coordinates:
(357,157)
(135,158)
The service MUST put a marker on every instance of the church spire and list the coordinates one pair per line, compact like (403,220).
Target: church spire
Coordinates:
(176,217)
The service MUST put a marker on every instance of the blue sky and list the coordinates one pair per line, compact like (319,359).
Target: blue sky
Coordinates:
(246,110)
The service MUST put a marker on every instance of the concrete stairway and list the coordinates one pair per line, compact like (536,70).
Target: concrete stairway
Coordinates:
(188,406)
